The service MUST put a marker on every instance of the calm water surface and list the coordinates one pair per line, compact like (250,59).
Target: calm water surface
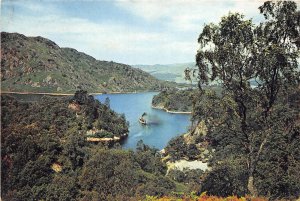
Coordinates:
(163,126)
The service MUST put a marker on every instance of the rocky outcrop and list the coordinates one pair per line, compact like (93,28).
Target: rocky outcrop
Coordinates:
(184,164)
(107,139)
(74,106)
(56,167)
(191,146)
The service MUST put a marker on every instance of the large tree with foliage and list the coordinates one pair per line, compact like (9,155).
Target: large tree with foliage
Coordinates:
(235,53)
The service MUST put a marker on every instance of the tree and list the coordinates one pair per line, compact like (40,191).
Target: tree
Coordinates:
(277,49)
(149,159)
(235,52)
(110,173)
(107,102)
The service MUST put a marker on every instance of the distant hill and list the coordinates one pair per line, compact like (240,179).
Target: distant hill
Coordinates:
(168,72)
(36,64)
(175,72)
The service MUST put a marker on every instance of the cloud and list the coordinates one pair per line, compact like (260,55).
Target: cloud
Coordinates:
(166,31)
(188,15)
(105,41)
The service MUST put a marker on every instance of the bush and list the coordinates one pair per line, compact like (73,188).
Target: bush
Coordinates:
(228,178)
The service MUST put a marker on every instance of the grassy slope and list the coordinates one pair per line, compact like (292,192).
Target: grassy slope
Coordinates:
(39,65)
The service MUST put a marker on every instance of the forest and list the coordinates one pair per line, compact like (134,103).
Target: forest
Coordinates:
(255,130)
(45,154)
(180,100)
(174,100)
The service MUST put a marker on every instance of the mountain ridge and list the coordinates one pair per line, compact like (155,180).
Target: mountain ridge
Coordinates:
(37,64)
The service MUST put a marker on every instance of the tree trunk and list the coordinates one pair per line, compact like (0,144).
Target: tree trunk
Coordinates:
(251,188)
(252,165)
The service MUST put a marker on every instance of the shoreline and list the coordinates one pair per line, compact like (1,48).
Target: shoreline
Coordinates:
(169,111)
(36,93)
(68,94)
(123,92)
(71,94)
(107,139)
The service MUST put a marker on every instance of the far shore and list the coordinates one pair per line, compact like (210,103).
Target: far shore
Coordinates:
(169,111)
(36,93)
(67,94)
(71,94)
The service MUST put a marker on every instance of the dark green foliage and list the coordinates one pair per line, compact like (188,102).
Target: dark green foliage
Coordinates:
(192,179)
(156,186)
(174,100)
(45,155)
(62,187)
(180,100)
(102,134)
(109,172)
(107,102)
(74,150)
(177,149)
(279,171)
(149,159)
(100,116)
(228,178)
(38,134)
(260,124)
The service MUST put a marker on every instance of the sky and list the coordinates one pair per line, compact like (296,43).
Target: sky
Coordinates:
(124,31)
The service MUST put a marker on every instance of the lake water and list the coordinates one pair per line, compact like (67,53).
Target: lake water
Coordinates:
(163,126)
